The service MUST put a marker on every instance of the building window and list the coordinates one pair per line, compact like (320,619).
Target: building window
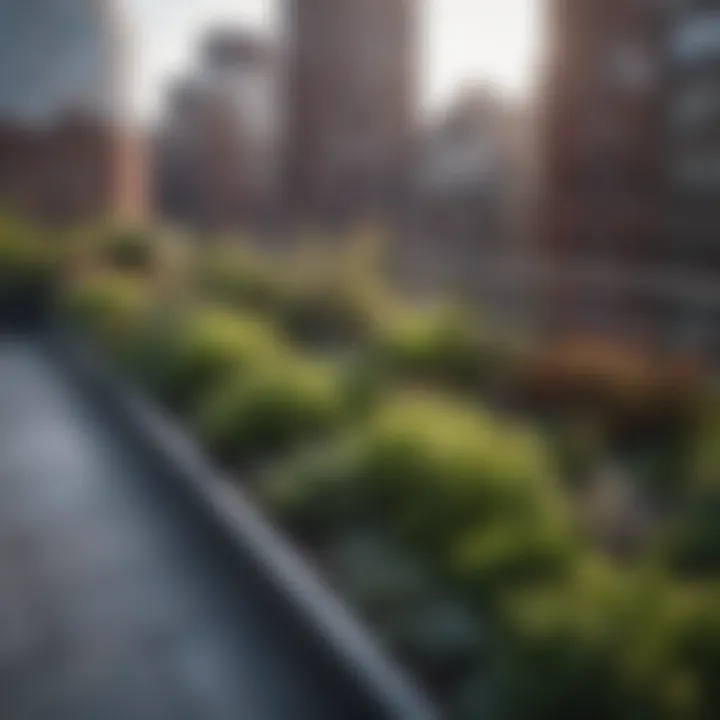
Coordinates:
(699,170)
(696,106)
(697,37)
(629,66)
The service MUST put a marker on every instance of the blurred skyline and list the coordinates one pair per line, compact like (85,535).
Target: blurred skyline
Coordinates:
(463,41)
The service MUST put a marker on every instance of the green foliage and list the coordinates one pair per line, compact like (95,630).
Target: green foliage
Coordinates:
(580,446)
(112,308)
(694,540)
(704,459)
(210,346)
(444,347)
(270,408)
(439,475)
(22,248)
(473,499)
(365,381)
(242,279)
(317,493)
(324,310)
(315,304)
(477,498)
(129,250)
(510,554)
(29,266)
(698,646)
(601,644)
(453,460)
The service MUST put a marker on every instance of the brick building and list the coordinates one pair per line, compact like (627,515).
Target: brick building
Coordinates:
(630,226)
(351,102)
(692,240)
(469,207)
(67,152)
(217,147)
(602,180)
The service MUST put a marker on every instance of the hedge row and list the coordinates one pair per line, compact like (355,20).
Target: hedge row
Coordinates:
(450,348)
(29,265)
(232,377)
(473,498)
(566,633)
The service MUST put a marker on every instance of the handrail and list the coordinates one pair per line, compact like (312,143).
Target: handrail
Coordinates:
(350,645)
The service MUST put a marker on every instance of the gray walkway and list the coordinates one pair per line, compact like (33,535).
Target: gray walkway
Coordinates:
(112,603)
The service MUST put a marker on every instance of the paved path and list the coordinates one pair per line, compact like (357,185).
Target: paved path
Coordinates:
(113,605)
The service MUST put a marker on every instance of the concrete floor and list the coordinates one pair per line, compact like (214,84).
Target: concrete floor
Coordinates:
(113,604)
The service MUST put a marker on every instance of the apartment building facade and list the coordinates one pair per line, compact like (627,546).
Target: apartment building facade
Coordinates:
(67,151)
(217,161)
(629,217)
(350,105)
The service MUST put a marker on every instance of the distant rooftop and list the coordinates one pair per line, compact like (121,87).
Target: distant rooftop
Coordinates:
(235,46)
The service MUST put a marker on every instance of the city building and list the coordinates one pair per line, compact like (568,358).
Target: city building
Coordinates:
(350,106)
(603,176)
(471,206)
(462,170)
(692,241)
(630,225)
(67,152)
(218,142)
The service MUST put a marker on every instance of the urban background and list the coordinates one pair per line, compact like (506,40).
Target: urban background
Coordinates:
(464,355)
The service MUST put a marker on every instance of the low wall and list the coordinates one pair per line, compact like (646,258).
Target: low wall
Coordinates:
(356,667)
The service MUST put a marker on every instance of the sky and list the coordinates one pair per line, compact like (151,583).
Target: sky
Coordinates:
(464,40)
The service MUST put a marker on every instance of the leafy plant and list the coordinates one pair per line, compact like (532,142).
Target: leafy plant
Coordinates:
(211,346)
(29,268)
(112,308)
(130,250)
(270,408)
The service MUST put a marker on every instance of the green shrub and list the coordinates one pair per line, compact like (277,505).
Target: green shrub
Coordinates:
(130,250)
(703,458)
(450,466)
(508,554)
(317,493)
(600,644)
(242,280)
(151,356)
(459,489)
(365,382)
(698,646)
(113,308)
(444,347)
(29,266)
(693,544)
(434,473)
(271,408)
(580,446)
(310,305)
(210,346)
(324,309)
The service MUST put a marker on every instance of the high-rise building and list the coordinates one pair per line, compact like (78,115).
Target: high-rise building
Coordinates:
(350,104)
(631,182)
(464,206)
(692,241)
(66,149)
(602,179)
(217,150)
